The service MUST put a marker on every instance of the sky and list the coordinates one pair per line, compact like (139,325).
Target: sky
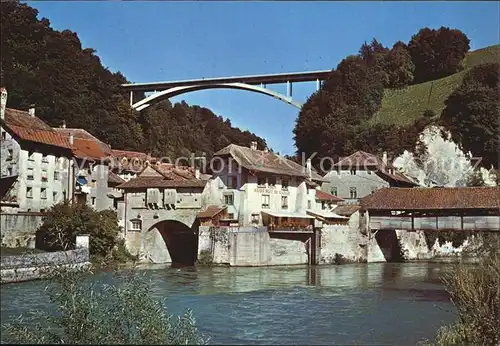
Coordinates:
(161,41)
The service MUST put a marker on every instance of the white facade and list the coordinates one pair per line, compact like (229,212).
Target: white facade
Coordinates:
(42,175)
(247,195)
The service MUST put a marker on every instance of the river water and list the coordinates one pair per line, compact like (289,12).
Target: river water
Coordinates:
(379,303)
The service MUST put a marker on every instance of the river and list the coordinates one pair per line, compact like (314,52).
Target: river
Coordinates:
(379,303)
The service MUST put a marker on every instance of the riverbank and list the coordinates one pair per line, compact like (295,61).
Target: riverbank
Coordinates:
(326,304)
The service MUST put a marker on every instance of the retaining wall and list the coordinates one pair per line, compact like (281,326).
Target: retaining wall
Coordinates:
(32,266)
(18,229)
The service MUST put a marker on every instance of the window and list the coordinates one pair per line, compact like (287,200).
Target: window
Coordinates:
(333,190)
(261,181)
(230,216)
(56,175)
(31,156)
(136,225)
(265,201)
(4,135)
(353,171)
(45,158)
(232,182)
(54,196)
(93,200)
(31,174)
(271,181)
(284,202)
(309,204)
(255,219)
(44,175)
(29,192)
(43,193)
(229,199)
(10,153)
(9,171)
(352,192)
(284,183)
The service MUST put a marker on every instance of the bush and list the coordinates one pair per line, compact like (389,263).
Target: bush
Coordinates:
(475,292)
(65,221)
(92,313)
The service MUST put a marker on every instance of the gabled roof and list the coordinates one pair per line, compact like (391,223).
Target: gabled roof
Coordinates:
(434,198)
(85,145)
(346,209)
(363,160)
(164,176)
(323,196)
(32,129)
(268,162)
(114,178)
(132,155)
(211,211)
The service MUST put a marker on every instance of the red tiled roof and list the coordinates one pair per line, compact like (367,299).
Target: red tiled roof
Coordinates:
(114,178)
(323,196)
(269,162)
(159,182)
(169,176)
(30,128)
(130,154)
(346,209)
(211,211)
(433,198)
(85,145)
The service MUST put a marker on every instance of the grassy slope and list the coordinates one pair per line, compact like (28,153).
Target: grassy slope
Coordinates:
(405,105)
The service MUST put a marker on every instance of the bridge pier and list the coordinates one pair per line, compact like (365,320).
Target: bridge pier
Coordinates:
(289,89)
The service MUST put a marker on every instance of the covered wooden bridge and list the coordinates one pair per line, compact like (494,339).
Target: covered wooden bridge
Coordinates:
(438,209)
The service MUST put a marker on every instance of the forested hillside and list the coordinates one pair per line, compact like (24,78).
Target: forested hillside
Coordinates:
(67,82)
(382,98)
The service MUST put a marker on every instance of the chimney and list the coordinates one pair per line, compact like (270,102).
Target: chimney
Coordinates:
(71,139)
(266,149)
(3,103)
(309,168)
(197,173)
(31,110)
(64,124)
(253,145)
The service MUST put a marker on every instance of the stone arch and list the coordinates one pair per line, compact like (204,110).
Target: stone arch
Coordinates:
(175,91)
(172,241)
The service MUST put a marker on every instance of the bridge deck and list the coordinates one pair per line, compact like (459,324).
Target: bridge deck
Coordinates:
(436,223)
(309,76)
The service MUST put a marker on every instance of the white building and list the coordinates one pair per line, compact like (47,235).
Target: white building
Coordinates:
(38,156)
(261,188)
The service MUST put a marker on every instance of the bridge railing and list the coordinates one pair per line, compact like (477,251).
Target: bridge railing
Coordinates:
(459,223)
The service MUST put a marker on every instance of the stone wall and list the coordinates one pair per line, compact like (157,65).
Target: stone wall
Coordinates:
(33,266)
(18,230)
(342,240)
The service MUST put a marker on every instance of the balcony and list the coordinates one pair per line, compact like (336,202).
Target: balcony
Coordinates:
(288,222)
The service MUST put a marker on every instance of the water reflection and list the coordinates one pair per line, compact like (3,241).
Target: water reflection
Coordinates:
(397,303)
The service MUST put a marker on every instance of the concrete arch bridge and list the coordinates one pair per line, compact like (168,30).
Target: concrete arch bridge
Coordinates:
(254,83)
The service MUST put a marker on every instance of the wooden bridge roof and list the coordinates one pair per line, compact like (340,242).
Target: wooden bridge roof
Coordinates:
(433,198)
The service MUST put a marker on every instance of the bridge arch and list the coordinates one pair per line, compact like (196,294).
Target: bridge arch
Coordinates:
(172,241)
(175,91)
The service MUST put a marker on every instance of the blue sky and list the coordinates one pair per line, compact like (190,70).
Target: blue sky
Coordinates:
(156,41)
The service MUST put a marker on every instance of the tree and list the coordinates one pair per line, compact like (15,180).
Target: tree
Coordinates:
(400,67)
(49,68)
(65,221)
(471,113)
(437,53)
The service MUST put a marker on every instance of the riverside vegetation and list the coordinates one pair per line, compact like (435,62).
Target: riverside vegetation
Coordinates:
(89,312)
(475,292)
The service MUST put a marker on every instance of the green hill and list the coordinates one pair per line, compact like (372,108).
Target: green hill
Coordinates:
(404,106)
